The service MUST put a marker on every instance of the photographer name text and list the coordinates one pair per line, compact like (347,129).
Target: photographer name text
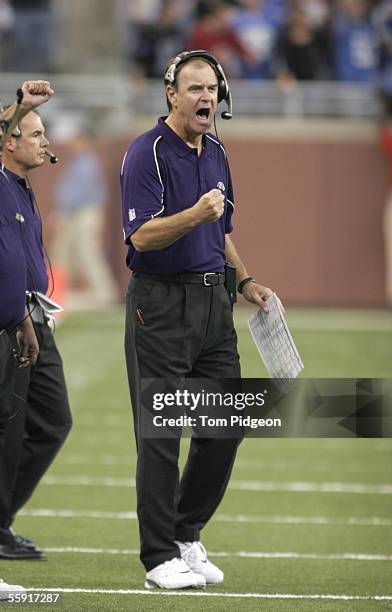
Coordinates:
(204,420)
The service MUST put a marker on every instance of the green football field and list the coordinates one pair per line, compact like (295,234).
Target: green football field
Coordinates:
(306,524)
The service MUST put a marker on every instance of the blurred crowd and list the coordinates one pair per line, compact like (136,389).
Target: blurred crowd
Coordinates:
(26,35)
(288,40)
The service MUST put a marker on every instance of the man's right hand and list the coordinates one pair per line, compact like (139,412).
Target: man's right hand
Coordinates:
(28,343)
(159,233)
(210,206)
(35,93)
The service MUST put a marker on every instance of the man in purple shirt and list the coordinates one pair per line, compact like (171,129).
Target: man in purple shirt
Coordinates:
(178,202)
(18,342)
(42,420)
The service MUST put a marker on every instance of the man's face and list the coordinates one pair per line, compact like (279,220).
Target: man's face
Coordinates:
(356,9)
(29,148)
(194,101)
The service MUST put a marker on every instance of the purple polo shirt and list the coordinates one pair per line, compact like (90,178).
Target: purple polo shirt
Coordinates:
(23,200)
(12,260)
(161,176)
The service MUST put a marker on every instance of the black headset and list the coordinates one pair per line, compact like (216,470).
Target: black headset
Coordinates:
(223,86)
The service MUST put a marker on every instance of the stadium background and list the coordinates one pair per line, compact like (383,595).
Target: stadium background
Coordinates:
(316,190)
(305,522)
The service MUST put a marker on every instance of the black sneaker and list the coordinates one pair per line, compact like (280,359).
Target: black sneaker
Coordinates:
(14,547)
(21,539)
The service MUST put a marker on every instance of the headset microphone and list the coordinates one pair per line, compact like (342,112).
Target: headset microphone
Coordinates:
(229,113)
(53,158)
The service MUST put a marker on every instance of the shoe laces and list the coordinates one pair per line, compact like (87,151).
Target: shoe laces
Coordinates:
(197,551)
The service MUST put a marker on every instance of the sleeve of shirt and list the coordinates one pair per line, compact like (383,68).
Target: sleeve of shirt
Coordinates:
(141,188)
(230,202)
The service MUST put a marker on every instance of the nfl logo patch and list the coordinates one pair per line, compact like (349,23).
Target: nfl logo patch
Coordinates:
(131,214)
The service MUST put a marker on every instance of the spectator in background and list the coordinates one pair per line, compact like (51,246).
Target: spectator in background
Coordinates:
(33,31)
(6,24)
(80,196)
(274,10)
(132,15)
(138,11)
(318,12)
(155,42)
(303,53)
(213,31)
(355,42)
(257,27)
(382,20)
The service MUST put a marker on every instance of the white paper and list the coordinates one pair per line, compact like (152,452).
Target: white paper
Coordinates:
(47,304)
(274,341)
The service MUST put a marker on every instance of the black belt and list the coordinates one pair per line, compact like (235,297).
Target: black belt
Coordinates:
(208,279)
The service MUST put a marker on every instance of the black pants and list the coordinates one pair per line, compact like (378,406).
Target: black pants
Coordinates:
(7,379)
(39,424)
(187,332)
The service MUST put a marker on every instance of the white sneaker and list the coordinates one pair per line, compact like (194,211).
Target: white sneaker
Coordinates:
(173,574)
(7,589)
(195,556)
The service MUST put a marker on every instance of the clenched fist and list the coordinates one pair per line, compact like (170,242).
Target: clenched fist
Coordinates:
(210,206)
(36,93)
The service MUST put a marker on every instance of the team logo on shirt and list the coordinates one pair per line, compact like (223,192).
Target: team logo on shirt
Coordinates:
(221,186)
(131,214)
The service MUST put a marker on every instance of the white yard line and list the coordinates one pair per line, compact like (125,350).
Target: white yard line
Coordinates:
(311,487)
(240,464)
(48,513)
(243,554)
(104,459)
(160,592)
(237,485)
(356,445)
(373,521)
(303,466)
(88,481)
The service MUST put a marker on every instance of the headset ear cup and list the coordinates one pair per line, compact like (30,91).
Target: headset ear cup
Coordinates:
(222,90)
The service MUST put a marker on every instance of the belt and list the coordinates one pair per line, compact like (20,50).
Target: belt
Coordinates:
(208,279)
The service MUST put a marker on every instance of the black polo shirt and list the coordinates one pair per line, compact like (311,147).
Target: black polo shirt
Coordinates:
(161,176)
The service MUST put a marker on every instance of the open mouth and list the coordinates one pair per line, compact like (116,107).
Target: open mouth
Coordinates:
(203,115)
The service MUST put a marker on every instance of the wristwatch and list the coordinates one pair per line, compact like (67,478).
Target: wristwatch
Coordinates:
(241,284)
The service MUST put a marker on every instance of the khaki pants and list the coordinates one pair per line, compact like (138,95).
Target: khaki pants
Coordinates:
(78,249)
